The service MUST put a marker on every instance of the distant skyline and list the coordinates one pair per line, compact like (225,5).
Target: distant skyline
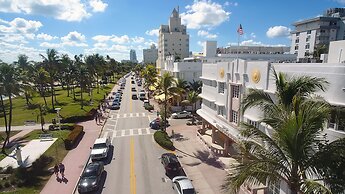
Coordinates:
(114,27)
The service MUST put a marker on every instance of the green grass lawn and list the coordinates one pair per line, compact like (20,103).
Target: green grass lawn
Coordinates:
(69,106)
(57,152)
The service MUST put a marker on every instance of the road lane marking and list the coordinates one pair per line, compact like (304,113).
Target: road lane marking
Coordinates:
(148,131)
(105,134)
(124,115)
(137,114)
(131,115)
(130,132)
(139,131)
(118,116)
(143,114)
(123,132)
(132,169)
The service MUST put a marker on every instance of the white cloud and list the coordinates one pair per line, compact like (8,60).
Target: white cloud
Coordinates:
(50,45)
(69,10)
(206,34)
(252,35)
(46,37)
(340,1)
(201,43)
(9,52)
(278,31)
(204,13)
(16,38)
(74,39)
(98,5)
(100,45)
(227,3)
(120,39)
(20,25)
(101,38)
(153,32)
(138,39)
(254,43)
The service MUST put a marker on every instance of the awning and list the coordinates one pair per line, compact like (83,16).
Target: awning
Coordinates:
(161,97)
(152,88)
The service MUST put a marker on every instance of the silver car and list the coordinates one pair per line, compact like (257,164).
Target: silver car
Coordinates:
(183,185)
(180,115)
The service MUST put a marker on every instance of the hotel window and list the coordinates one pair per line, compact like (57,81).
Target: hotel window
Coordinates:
(307,46)
(297,34)
(296,47)
(234,116)
(221,110)
(235,91)
(297,40)
(195,74)
(307,39)
(309,32)
(221,87)
(254,123)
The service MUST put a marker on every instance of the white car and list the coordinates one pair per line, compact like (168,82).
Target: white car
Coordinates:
(182,185)
(180,115)
(100,148)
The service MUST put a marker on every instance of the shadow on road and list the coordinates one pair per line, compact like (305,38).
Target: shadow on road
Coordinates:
(179,137)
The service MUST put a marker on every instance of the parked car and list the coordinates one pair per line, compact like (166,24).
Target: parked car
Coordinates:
(134,89)
(122,87)
(117,100)
(157,123)
(115,106)
(91,177)
(134,97)
(133,82)
(171,164)
(183,185)
(180,115)
(100,148)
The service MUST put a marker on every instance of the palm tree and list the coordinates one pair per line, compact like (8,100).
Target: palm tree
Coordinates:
(10,85)
(193,98)
(51,64)
(25,71)
(166,87)
(41,78)
(195,86)
(181,86)
(289,153)
(150,76)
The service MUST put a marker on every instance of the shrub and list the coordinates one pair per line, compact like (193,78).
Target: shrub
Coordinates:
(73,136)
(1,186)
(63,127)
(75,119)
(148,107)
(9,170)
(7,184)
(162,138)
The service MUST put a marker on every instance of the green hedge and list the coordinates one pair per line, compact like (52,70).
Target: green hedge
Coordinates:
(73,137)
(162,138)
(148,107)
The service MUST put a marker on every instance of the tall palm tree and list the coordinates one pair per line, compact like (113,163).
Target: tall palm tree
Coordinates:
(182,87)
(41,78)
(10,85)
(289,153)
(25,70)
(150,76)
(167,87)
(193,98)
(51,64)
(195,86)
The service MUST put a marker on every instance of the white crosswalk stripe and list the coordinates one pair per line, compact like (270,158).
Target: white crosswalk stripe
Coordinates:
(131,132)
(127,115)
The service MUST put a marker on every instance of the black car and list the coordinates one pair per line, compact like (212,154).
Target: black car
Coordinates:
(90,178)
(171,164)
(158,123)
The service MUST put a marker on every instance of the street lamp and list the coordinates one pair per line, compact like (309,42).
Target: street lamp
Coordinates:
(58,117)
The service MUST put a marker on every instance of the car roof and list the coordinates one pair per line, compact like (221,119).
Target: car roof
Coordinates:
(172,157)
(101,140)
(184,182)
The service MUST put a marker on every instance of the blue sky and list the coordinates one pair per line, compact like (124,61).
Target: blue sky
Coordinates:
(113,27)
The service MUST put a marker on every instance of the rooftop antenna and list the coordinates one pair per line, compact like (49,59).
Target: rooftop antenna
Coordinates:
(178,9)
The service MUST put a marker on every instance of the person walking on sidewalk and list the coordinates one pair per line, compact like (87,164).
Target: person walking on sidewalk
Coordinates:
(62,170)
(56,170)
(96,118)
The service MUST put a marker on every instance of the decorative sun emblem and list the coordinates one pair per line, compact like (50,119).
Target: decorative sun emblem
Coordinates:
(256,76)
(221,73)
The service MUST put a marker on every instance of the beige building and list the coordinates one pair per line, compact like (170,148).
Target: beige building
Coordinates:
(173,40)
(150,55)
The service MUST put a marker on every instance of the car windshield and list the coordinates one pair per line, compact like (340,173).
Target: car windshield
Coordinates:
(90,172)
(99,146)
(188,191)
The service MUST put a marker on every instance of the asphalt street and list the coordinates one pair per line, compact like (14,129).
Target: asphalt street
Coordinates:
(133,166)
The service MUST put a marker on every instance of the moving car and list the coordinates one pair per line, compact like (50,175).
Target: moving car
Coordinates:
(183,185)
(134,97)
(171,164)
(157,123)
(142,95)
(91,177)
(100,148)
(134,90)
(180,115)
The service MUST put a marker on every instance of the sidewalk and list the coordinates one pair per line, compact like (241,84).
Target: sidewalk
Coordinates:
(74,161)
(26,127)
(200,165)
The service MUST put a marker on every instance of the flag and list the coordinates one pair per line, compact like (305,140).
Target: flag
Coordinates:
(240,30)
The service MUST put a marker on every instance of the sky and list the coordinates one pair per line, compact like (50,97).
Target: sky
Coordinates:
(113,27)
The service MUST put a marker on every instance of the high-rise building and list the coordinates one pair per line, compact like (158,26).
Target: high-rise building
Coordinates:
(173,40)
(133,56)
(312,33)
(150,55)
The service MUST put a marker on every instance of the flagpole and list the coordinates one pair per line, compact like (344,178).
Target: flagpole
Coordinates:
(238,45)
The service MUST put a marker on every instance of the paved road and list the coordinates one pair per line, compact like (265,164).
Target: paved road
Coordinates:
(134,167)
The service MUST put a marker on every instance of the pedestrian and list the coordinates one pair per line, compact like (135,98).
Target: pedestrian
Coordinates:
(56,170)
(62,170)
(96,118)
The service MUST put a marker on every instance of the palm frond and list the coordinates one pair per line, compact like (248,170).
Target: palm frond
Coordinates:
(311,186)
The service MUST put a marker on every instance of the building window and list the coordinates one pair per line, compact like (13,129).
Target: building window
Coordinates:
(307,39)
(254,123)
(221,110)
(274,188)
(296,47)
(235,91)
(307,46)
(221,87)
(297,40)
(195,74)
(309,32)
(234,116)
(297,33)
